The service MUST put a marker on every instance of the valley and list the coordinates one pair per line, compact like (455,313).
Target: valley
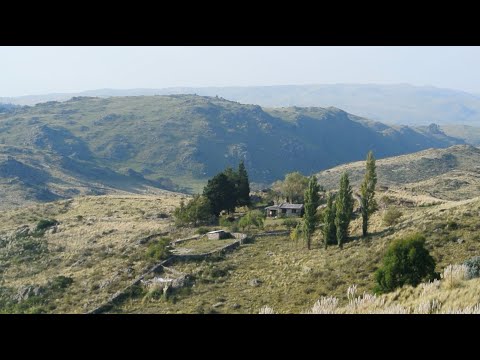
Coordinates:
(143,144)
(101,243)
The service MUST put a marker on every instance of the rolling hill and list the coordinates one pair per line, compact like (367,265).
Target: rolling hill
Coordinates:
(442,174)
(396,103)
(177,142)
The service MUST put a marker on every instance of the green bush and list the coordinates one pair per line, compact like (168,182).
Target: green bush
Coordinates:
(202,230)
(196,212)
(406,262)
(252,218)
(44,224)
(452,225)
(391,216)
(158,250)
(61,282)
(473,266)
(290,223)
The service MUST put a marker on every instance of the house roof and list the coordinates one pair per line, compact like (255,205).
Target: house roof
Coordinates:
(285,206)
(216,231)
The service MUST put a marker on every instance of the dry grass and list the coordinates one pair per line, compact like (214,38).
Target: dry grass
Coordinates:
(440,298)
(290,277)
(201,246)
(96,244)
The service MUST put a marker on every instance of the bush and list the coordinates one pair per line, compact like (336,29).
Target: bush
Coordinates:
(225,221)
(44,224)
(202,230)
(406,262)
(61,282)
(391,216)
(290,223)
(252,218)
(452,225)
(158,250)
(473,266)
(196,212)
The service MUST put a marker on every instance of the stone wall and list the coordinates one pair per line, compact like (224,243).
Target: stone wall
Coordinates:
(158,268)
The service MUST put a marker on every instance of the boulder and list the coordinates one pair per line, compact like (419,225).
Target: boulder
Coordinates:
(255,282)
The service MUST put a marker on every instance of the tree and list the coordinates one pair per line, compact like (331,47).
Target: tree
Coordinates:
(296,232)
(329,230)
(406,262)
(312,200)
(243,186)
(220,191)
(251,218)
(197,212)
(276,191)
(294,186)
(368,204)
(344,208)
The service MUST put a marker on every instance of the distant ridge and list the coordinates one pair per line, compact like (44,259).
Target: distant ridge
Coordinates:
(396,103)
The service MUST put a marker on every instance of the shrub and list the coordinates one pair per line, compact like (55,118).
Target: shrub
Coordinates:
(290,223)
(252,218)
(61,282)
(391,216)
(225,221)
(202,230)
(387,200)
(406,262)
(158,250)
(473,267)
(196,212)
(44,224)
(453,275)
(452,225)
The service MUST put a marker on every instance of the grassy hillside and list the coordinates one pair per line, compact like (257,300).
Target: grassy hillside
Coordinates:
(100,245)
(177,142)
(276,272)
(97,244)
(448,174)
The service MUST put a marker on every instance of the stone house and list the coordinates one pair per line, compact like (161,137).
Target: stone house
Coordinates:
(284,209)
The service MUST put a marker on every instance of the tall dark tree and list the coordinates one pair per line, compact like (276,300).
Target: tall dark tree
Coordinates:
(312,200)
(329,229)
(196,212)
(344,208)
(367,192)
(243,186)
(232,176)
(220,192)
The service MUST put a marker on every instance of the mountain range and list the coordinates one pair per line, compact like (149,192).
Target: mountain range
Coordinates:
(140,143)
(395,104)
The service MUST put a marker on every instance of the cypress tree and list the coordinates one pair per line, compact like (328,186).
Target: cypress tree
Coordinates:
(329,230)
(367,190)
(243,186)
(344,208)
(312,200)
(219,192)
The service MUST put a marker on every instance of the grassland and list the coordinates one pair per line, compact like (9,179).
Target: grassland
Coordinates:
(97,244)
(100,245)
(277,272)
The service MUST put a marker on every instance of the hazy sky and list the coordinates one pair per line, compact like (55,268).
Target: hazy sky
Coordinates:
(40,70)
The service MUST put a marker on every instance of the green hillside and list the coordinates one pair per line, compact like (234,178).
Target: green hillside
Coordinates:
(177,142)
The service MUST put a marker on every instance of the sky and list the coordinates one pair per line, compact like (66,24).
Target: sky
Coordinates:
(43,70)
